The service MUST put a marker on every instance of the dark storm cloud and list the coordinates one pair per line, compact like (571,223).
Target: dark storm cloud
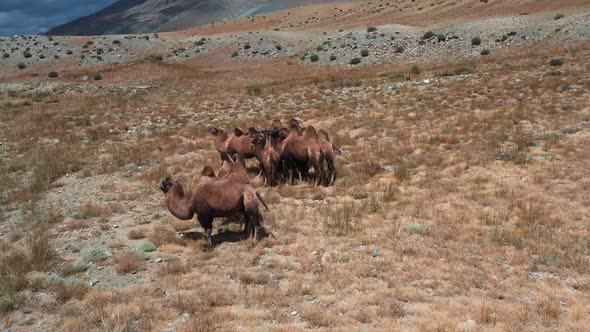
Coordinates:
(18,17)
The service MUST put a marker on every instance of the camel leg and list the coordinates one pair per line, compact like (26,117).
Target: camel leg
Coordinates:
(206,222)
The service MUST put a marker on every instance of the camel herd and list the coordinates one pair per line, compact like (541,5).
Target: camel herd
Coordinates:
(283,153)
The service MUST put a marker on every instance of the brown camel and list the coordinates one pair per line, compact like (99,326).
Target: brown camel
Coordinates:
(330,152)
(265,148)
(236,142)
(211,197)
(298,150)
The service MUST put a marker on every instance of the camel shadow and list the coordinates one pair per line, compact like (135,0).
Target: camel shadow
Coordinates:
(225,236)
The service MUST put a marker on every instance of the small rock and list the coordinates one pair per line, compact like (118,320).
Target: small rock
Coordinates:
(116,226)
(158,260)
(294,313)
(68,247)
(27,311)
(93,282)
(99,268)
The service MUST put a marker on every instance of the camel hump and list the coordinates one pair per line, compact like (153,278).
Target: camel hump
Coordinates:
(238,173)
(208,171)
(239,132)
(323,135)
(310,133)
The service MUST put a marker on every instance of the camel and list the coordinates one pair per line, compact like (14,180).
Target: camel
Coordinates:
(298,150)
(265,148)
(328,149)
(211,197)
(330,152)
(236,142)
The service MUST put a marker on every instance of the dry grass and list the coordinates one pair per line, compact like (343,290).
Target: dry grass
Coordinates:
(127,262)
(458,203)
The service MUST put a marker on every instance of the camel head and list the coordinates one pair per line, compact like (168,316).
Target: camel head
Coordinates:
(165,184)
(258,139)
(293,123)
(276,124)
(215,131)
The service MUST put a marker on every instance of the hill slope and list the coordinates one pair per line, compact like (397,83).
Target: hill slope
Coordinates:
(142,16)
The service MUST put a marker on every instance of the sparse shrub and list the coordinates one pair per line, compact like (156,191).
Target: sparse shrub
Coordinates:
(355,61)
(364,52)
(428,35)
(485,51)
(116,42)
(314,58)
(90,42)
(93,254)
(399,49)
(156,57)
(415,70)
(441,37)
(402,171)
(22,65)
(475,41)
(35,75)
(135,234)
(247,46)
(234,54)
(332,57)
(52,74)
(5,55)
(553,73)
(27,54)
(371,29)
(254,90)
(97,77)
(556,62)
(463,71)
(558,16)
(147,246)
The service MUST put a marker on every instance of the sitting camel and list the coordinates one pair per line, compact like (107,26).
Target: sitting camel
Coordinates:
(211,197)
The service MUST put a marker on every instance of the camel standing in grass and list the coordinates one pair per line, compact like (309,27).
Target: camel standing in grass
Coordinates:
(265,148)
(330,152)
(211,197)
(299,150)
(235,142)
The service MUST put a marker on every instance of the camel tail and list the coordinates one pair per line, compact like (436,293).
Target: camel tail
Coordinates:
(261,201)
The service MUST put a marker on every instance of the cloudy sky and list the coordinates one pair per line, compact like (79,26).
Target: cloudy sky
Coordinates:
(34,16)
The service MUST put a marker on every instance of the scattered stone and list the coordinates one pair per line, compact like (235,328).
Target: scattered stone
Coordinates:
(27,311)
(266,265)
(294,313)
(376,252)
(93,282)
(158,260)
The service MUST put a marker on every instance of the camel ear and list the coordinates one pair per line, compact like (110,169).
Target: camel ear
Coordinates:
(239,132)
(323,135)
(294,123)
(252,131)
(276,124)
(208,171)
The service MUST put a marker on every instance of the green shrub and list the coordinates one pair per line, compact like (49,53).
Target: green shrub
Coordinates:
(5,55)
(35,75)
(97,77)
(556,62)
(247,46)
(234,54)
(94,254)
(415,70)
(558,16)
(463,71)
(371,29)
(90,42)
(428,35)
(157,57)
(254,90)
(27,54)
(21,66)
(441,37)
(416,229)
(41,56)
(69,52)
(485,51)
(116,42)
(147,246)
(355,61)
(314,58)
(476,41)
(364,52)
(332,57)
(399,49)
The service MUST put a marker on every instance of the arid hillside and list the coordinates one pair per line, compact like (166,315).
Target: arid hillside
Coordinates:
(460,202)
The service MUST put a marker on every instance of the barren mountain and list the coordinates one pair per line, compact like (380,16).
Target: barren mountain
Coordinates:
(142,16)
